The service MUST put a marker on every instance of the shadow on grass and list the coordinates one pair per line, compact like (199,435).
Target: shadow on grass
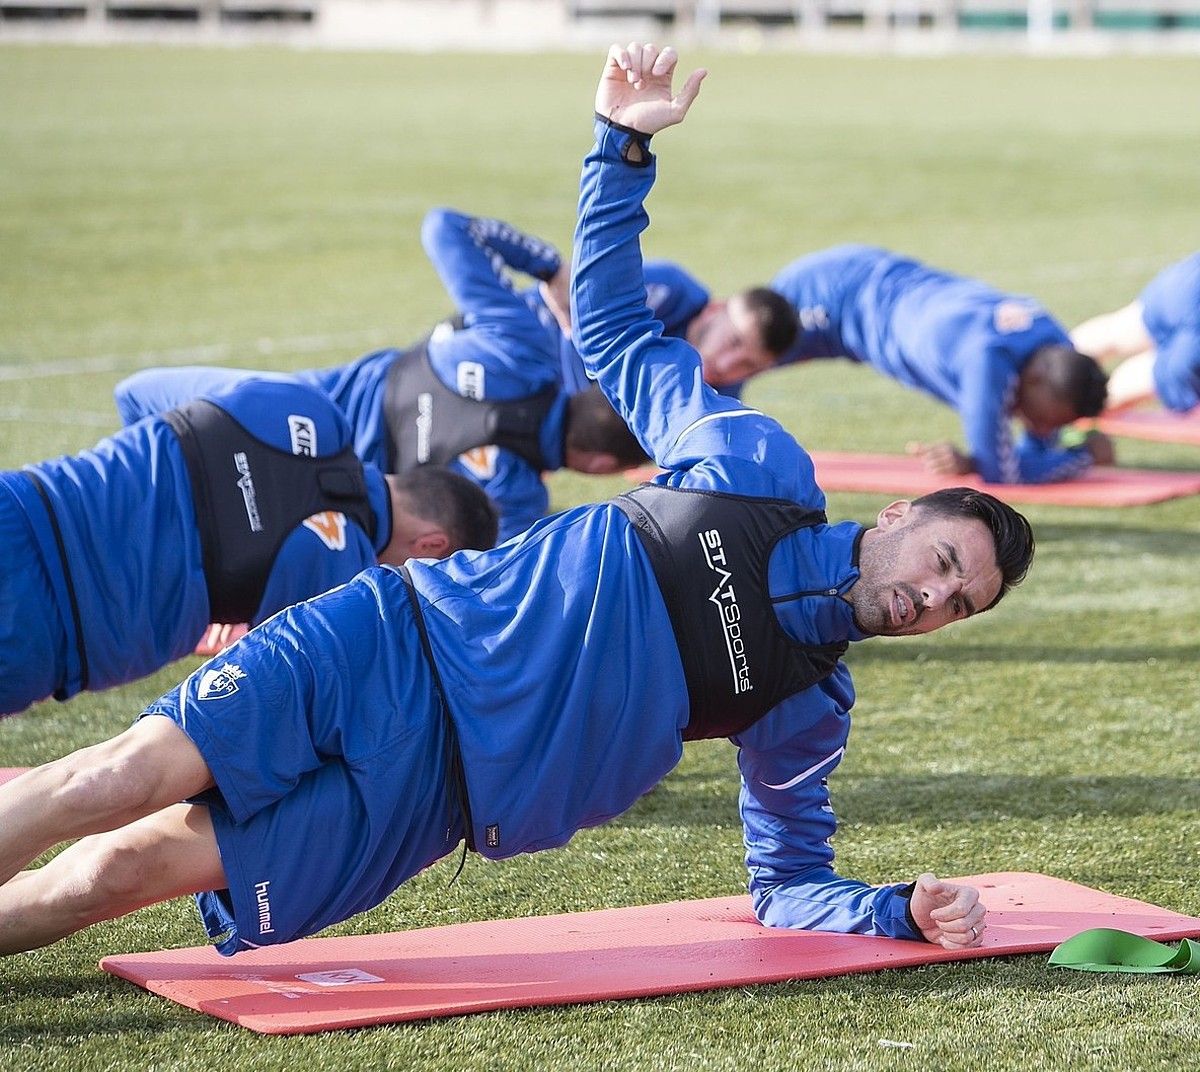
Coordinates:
(1024,654)
(931,801)
(70,1006)
(1164,542)
(979,980)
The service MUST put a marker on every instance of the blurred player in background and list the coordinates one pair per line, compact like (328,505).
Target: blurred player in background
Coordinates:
(991,356)
(481,395)
(1156,338)
(229,509)
(736,338)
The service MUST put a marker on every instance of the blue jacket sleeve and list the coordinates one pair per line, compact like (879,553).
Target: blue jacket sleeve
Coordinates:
(502,331)
(986,395)
(154,391)
(653,381)
(785,761)
(1045,460)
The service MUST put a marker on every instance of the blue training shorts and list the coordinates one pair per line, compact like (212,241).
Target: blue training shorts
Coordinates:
(326,742)
(33,642)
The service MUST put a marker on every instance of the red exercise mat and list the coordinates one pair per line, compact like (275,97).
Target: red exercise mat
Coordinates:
(217,637)
(1160,425)
(902,474)
(1100,486)
(324,983)
(7,774)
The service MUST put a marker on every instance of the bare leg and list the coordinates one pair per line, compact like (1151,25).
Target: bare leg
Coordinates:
(1115,335)
(1131,382)
(168,854)
(149,766)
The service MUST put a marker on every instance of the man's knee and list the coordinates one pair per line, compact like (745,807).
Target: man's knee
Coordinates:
(151,764)
(103,877)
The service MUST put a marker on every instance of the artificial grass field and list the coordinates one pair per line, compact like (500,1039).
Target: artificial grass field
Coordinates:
(262,209)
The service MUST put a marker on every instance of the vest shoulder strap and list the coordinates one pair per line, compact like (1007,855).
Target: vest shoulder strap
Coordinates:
(249,496)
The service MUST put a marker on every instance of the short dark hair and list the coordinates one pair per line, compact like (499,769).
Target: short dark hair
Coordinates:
(593,425)
(1076,378)
(460,507)
(1012,536)
(775,316)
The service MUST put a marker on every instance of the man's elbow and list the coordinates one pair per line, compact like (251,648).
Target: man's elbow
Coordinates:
(437,223)
(126,401)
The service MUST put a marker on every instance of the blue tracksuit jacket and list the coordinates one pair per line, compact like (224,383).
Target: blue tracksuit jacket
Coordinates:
(956,339)
(557,661)
(503,352)
(125,515)
(1171,313)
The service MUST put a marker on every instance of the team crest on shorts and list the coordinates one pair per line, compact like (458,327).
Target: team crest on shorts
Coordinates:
(221,682)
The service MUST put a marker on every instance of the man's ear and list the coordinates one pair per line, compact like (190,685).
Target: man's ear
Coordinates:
(893,513)
(435,544)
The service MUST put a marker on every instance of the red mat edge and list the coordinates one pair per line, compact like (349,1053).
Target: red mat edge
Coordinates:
(1151,425)
(1080,492)
(921,955)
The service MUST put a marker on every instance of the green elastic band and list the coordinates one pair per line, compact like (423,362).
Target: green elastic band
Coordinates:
(1105,950)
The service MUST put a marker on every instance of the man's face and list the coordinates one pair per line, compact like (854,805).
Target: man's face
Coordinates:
(730,342)
(1040,408)
(919,571)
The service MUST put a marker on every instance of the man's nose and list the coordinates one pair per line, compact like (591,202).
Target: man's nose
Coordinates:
(935,594)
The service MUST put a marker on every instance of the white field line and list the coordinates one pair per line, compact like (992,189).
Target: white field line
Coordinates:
(68,418)
(209,354)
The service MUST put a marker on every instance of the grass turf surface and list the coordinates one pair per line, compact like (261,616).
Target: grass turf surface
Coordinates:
(261,209)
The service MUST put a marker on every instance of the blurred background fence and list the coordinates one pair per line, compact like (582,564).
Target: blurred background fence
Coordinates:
(885,25)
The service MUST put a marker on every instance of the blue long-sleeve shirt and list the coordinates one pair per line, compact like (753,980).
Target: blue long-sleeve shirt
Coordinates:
(556,650)
(126,517)
(957,339)
(1171,313)
(502,352)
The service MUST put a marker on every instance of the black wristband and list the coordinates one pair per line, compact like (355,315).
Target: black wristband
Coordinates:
(636,152)
(906,892)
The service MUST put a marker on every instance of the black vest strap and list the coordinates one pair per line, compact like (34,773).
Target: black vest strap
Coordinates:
(710,552)
(428,423)
(250,495)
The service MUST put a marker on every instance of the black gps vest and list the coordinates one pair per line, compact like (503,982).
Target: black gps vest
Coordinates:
(428,423)
(249,496)
(710,552)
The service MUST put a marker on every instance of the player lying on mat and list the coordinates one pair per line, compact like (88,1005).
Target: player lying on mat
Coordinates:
(228,509)
(481,395)
(1157,338)
(992,356)
(512,697)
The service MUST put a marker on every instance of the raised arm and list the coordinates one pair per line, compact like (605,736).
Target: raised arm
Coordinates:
(654,382)
(471,255)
